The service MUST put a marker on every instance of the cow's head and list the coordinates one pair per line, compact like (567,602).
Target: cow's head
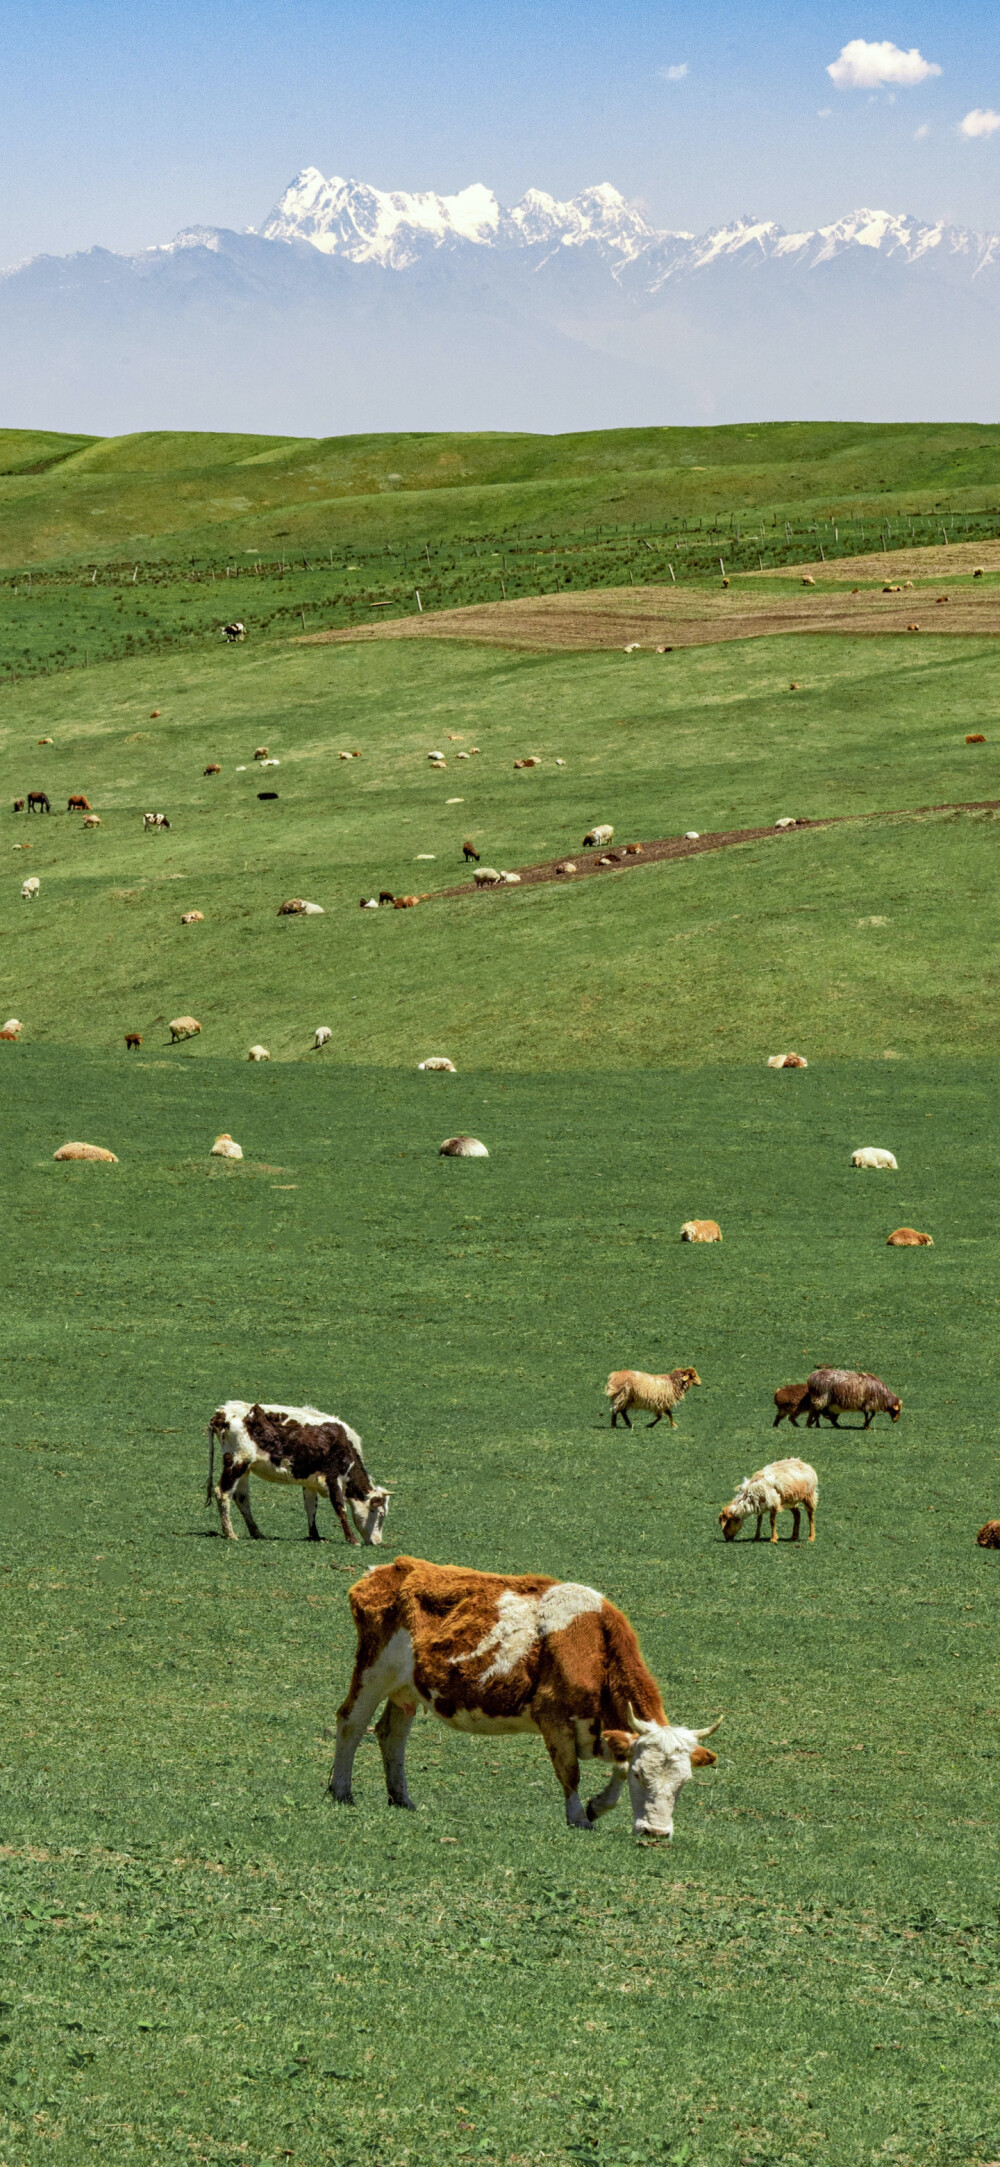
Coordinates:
(660,1761)
(368,1513)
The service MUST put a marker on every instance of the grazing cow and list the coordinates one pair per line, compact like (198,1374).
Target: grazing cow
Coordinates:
(38,802)
(834,1392)
(154,822)
(784,1486)
(78,804)
(235,631)
(133,1041)
(293,1445)
(490,1653)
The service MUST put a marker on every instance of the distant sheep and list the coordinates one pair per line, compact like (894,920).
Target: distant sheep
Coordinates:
(976,738)
(154,823)
(323,1035)
(486,876)
(258,1053)
(193,917)
(19,805)
(85,1151)
(30,888)
(786,1060)
(568,866)
(235,631)
(692,835)
(184,1027)
(657,1396)
(405,902)
(92,820)
(788,1400)
(297,907)
(439,1061)
(368,902)
(213,768)
(988,1537)
(834,1392)
(462,1147)
(385,895)
(786,821)
(871,1156)
(469,849)
(133,1041)
(262,753)
(12,1027)
(906,1237)
(701,1230)
(598,838)
(532,761)
(224,1148)
(784,1486)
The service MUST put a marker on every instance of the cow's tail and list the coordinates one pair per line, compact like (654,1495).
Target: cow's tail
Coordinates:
(210,1487)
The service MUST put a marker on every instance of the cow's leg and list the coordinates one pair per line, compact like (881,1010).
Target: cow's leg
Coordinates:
(353,1717)
(310,1501)
(227,1483)
(335,1492)
(560,1741)
(241,1495)
(392,1731)
(796,1519)
(603,1801)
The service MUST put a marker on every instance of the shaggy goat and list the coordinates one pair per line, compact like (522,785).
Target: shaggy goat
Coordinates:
(657,1396)
(834,1392)
(784,1486)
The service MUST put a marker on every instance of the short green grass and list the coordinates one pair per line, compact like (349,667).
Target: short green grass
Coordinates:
(202,1958)
(730,955)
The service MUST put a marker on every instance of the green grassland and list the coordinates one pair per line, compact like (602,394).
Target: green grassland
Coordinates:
(718,956)
(200,1957)
(203,1958)
(140,544)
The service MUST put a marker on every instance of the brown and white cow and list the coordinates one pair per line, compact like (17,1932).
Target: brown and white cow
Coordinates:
(293,1445)
(491,1654)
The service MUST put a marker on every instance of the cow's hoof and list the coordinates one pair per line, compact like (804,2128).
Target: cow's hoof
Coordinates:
(406,1804)
(341,1798)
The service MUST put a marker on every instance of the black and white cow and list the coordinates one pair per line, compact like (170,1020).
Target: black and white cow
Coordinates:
(293,1445)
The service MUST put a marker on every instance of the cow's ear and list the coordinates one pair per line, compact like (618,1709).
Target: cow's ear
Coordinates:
(617,1745)
(702,1758)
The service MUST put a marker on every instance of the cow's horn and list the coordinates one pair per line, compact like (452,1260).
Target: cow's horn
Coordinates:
(636,1723)
(711,1727)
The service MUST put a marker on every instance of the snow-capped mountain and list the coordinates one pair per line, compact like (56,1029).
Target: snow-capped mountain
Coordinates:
(357,309)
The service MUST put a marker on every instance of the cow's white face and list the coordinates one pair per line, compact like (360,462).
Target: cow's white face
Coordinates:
(660,1764)
(368,1514)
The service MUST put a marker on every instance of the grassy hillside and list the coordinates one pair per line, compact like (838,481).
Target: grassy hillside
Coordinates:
(662,964)
(201,1955)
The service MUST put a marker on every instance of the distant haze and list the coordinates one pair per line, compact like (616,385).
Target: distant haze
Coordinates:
(355,309)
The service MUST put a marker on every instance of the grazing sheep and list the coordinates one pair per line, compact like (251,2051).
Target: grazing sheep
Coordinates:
(634,850)
(834,1392)
(532,761)
(235,631)
(30,888)
(871,1156)
(788,1400)
(85,1151)
(786,821)
(323,1035)
(976,738)
(294,908)
(598,837)
(213,768)
(784,1486)
(657,1396)
(988,1537)
(224,1148)
(405,902)
(385,895)
(92,820)
(193,917)
(155,823)
(258,1053)
(133,1041)
(469,849)
(262,753)
(10,1036)
(486,876)
(78,804)
(567,866)
(439,1061)
(701,1230)
(184,1027)
(692,835)
(808,580)
(906,1237)
(12,1026)
(511,880)
(462,1147)
(979,573)
(786,1060)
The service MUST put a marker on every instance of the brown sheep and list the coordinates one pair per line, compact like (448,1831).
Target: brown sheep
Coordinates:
(701,1230)
(834,1392)
(988,1537)
(133,1041)
(976,738)
(906,1237)
(788,1401)
(213,768)
(405,902)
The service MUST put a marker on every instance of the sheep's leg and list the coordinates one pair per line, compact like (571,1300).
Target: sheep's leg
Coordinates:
(774,1523)
(811,1510)
(392,1731)
(867,1420)
(310,1501)
(560,1741)
(656,1419)
(796,1518)
(335,1492)
(760,1516)
(241,1493)
(623,1412)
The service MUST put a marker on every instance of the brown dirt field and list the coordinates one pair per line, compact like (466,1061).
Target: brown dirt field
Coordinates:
(697,617)
(959,559)
(587,862)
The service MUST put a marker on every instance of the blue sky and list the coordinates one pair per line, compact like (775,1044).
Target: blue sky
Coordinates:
(122,123)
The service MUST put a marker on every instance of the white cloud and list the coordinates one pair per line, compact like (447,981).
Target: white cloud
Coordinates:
(823,112)
(920,134)
(674,74)
(862,66)
(979,122)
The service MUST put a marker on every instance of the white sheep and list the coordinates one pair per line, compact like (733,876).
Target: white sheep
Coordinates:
(12,1024)
(596,838)
(462,1147)
(871,1156)
(30,888)
(323,1033)
(692,835)
(439,1061)
(486,876)
(258,1053)
(783,1486)
(786,821)
(224,1148)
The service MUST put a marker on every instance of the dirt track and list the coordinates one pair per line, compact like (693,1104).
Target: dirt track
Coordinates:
(672,617)
(587,862)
